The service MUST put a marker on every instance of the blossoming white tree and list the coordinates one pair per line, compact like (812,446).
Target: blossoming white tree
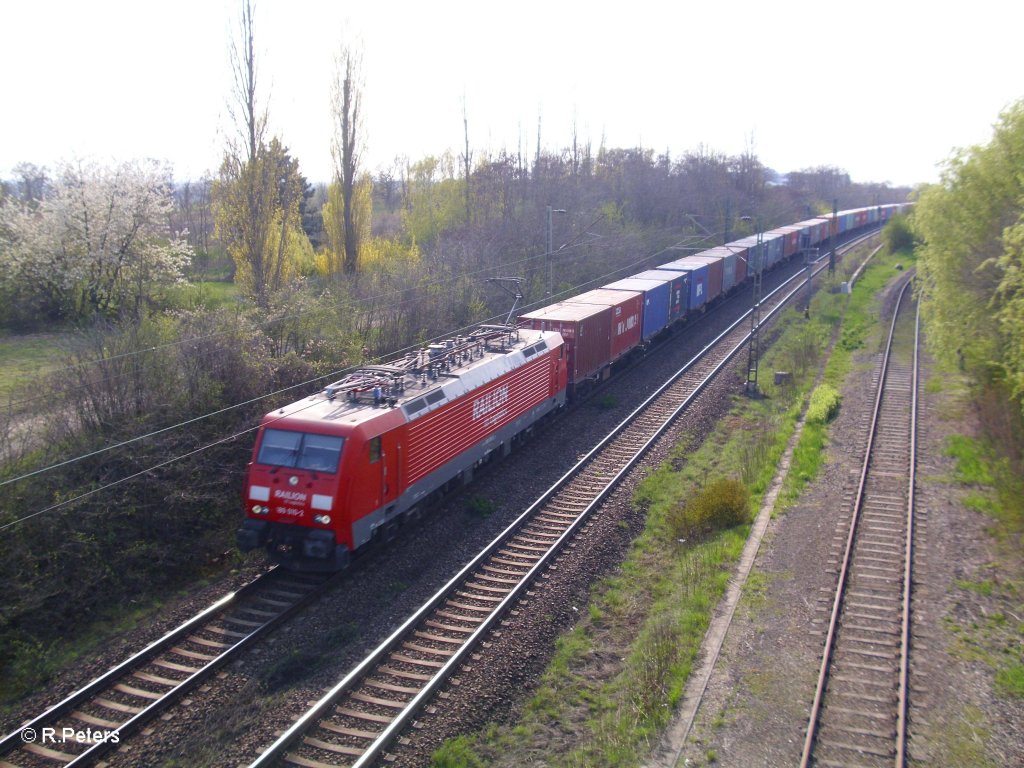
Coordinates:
(98,244)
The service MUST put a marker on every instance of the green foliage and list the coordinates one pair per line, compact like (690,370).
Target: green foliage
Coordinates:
(1010,680)
(723,503)
(436,199)
(257,213)
(985,587)
(1010,301)
(206,294)
(800,348)
(382,259)
(858,313)
(824,404)
(972,231)
(457,753)
(157,531)
(481,506)
(898,234)
(25,358)
(997,481)
(333,258)
(962,740)
(972,465)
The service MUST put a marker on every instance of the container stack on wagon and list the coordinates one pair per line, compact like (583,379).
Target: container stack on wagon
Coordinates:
(331,472)
(696,278)
(587,333)
(626,308)
(678,288)
(656,297)
(716,271)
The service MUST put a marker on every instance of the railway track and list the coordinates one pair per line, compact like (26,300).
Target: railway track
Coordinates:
(355,722)
(858,717)
(103,714)
(119,703)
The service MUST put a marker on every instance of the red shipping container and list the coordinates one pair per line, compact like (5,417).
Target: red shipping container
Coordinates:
(731,262)
(742,253)
(742,263)
(586,330)
(626,322)
(791,244)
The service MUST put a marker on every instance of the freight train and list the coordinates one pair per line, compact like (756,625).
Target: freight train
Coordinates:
(346,466)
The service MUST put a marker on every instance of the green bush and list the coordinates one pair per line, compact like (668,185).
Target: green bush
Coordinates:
(723,503)
(898,234)
(824,404)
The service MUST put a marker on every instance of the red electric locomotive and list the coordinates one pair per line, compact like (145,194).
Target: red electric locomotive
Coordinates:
(333,471)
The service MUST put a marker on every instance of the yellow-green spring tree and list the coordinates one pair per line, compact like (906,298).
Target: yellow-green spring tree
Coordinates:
(971,226)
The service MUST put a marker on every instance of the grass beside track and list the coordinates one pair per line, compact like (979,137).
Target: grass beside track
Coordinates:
(208,294)
(995,488)
(27,357)
(614,679)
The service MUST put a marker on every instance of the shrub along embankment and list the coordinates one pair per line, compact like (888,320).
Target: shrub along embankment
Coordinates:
(653,613)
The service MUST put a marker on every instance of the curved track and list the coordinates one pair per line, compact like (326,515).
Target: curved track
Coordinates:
(128,696)
(858,717)
(355,722)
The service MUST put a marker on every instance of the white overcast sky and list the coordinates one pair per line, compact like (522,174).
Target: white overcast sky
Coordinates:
(884,90)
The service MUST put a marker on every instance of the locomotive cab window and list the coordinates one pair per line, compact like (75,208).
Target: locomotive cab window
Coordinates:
(375,450)
(283,448)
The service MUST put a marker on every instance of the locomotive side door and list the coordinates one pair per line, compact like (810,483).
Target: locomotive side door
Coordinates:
(384,453)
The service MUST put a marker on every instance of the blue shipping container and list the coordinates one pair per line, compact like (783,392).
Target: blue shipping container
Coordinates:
(729,253)
(698,278)
(677,292)
(773,245)
(750,244)
(656,302)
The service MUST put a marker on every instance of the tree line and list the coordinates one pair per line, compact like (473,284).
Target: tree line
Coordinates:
(971,231)
(86,243)
(327,276)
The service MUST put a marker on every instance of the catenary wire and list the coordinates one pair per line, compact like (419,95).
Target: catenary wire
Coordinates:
(188,422)
(135,475)
(284,318)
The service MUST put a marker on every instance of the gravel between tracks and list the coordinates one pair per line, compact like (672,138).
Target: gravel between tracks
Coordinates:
(241,710)
(491,689)
(755,710)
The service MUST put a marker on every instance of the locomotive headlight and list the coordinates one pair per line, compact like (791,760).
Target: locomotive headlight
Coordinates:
(258,510)
(322,519)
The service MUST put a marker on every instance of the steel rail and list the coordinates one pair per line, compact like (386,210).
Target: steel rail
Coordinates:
(64,706)
(15,739)
(837,603)
(901,715)
(383,740)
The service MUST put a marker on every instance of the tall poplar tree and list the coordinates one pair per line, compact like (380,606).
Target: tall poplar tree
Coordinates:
(346,105)
(258,193)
